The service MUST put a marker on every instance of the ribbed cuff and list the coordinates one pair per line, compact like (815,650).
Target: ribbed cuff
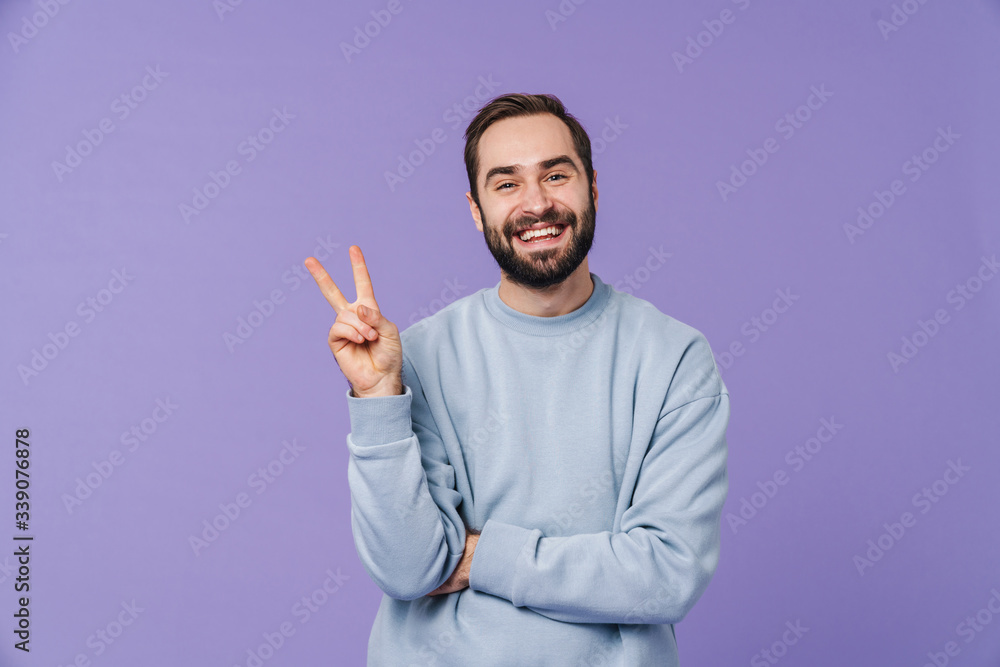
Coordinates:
(494,563)
(379,420)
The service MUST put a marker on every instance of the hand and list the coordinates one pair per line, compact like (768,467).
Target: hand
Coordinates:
(365,344)
(459,579)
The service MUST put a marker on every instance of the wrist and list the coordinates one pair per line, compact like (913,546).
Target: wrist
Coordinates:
(391,388)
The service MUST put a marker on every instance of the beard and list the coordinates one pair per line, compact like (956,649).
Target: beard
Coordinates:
(540,269)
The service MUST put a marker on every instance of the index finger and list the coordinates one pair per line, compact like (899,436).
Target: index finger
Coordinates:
(362,281)
(326,285)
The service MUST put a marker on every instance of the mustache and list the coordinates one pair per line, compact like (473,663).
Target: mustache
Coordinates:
(568,218)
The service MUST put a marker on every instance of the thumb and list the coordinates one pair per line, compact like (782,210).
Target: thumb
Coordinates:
(373,318)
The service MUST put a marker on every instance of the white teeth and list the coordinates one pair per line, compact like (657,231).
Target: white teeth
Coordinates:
(532,233)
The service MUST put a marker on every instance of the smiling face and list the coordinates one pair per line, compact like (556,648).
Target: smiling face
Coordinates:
(530,176)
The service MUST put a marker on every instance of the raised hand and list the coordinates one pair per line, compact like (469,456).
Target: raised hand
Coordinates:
(365,344)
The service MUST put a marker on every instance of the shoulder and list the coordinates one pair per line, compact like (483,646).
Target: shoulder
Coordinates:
(424,337)
(671,347)
(654,327)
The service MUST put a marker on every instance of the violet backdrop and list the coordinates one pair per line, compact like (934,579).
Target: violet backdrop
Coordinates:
(811,185)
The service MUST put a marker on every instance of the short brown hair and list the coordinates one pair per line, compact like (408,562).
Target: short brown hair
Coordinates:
(515,105)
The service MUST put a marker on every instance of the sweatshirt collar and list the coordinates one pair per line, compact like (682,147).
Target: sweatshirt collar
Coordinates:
(549,326)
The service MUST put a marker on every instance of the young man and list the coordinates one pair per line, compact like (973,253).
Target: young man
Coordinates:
(537,470)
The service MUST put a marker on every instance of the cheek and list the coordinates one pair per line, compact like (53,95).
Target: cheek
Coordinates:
(501,220)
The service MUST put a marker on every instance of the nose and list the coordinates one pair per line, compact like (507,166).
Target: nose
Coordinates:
(536,200)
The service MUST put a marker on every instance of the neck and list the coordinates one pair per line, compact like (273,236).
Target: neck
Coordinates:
(559,299)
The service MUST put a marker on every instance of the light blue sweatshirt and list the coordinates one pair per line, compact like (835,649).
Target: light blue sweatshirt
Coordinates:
(590,451)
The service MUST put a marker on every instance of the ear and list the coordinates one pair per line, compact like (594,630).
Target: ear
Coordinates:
(476,213)
(593,188)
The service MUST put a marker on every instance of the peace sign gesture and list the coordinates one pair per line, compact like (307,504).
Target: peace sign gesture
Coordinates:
(365,344)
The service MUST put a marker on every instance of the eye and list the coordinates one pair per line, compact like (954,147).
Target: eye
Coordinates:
(503,186)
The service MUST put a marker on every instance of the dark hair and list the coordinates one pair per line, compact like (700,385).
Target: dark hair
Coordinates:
(513,106)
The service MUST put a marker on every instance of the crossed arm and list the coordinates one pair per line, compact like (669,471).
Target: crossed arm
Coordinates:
(652,570)
(459,579)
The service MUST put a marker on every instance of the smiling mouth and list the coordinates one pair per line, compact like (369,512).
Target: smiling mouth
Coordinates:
(545,236)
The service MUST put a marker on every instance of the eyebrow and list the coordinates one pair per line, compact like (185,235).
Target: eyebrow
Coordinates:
(543,165)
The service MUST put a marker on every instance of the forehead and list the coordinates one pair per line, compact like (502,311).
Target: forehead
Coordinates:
(526,140)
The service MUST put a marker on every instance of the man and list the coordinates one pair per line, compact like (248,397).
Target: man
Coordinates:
(537,470)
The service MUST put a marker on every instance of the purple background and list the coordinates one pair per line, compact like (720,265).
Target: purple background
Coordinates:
(672,133)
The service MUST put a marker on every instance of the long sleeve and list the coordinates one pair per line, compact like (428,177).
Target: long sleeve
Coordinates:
(587,448)
(404,506)
(657,566)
